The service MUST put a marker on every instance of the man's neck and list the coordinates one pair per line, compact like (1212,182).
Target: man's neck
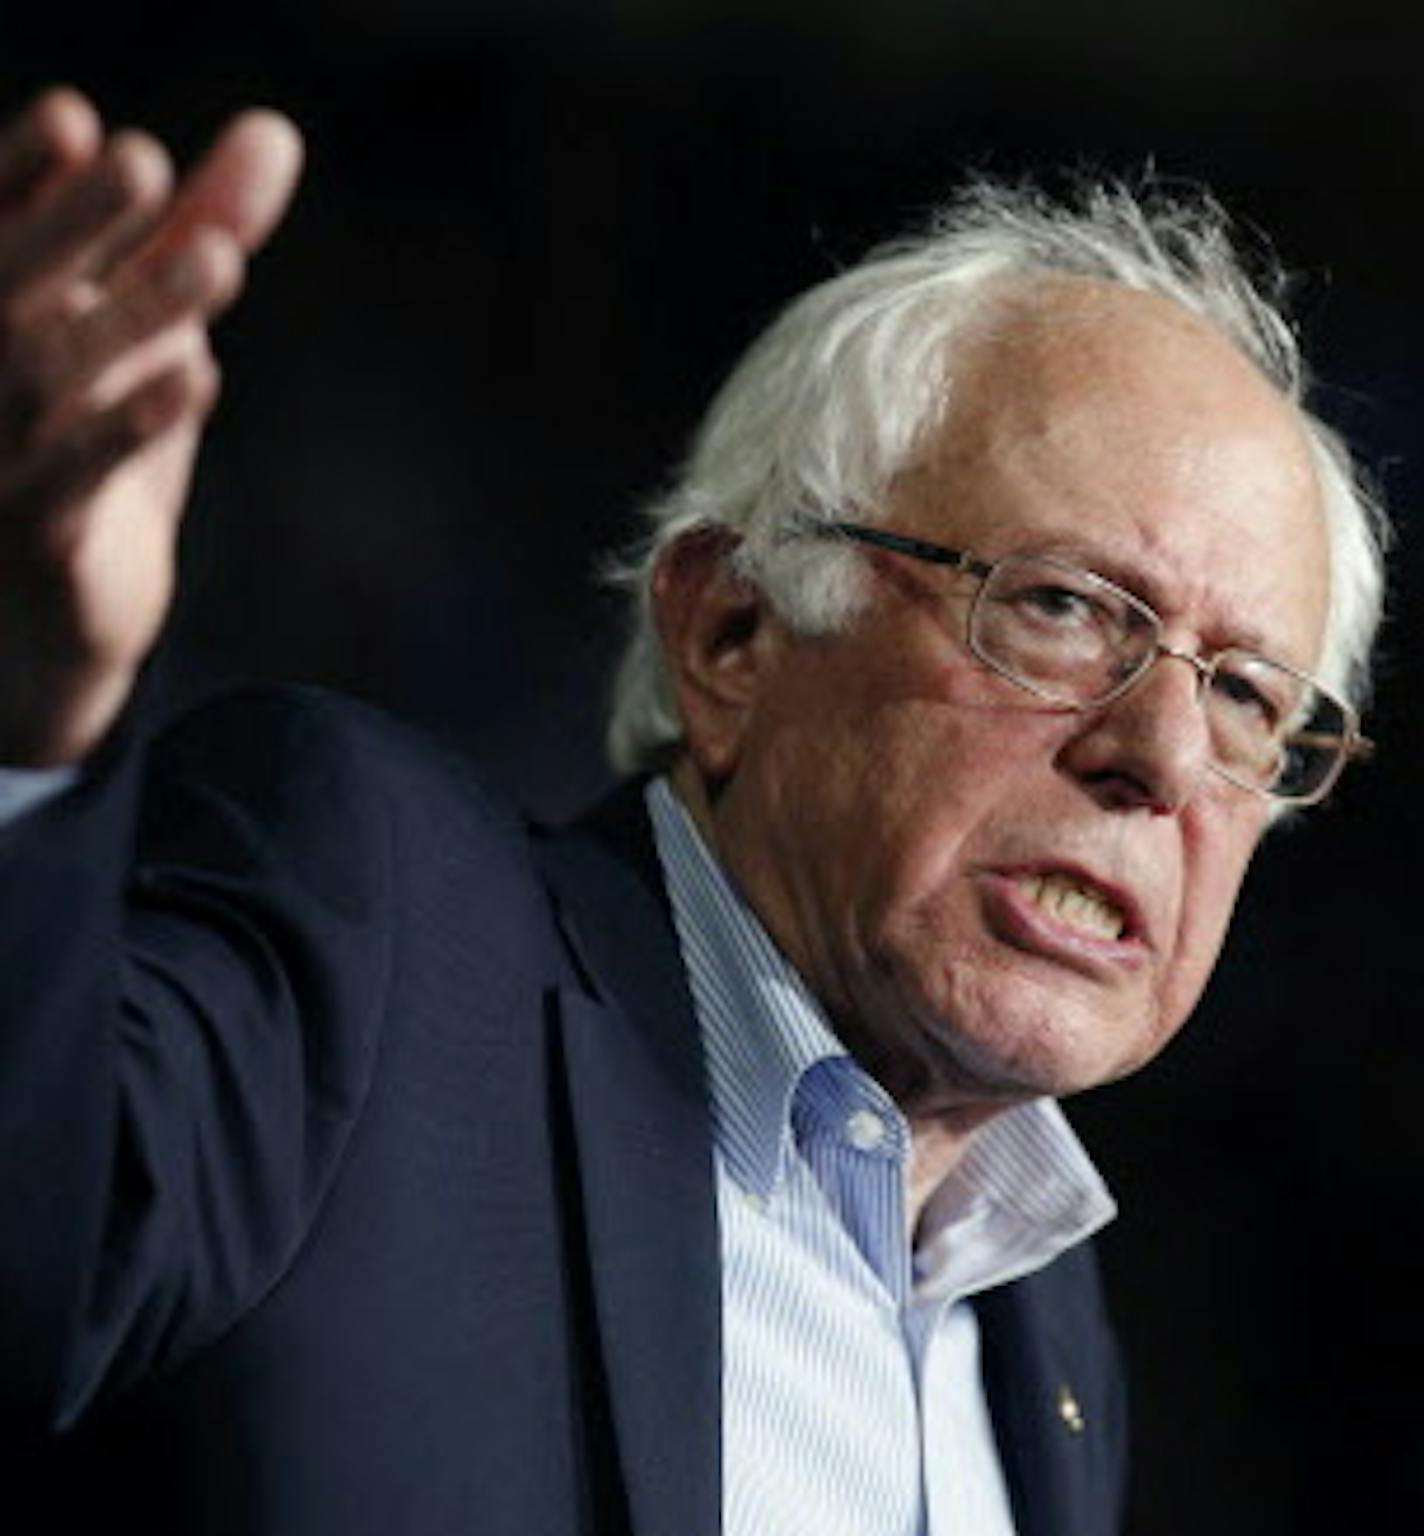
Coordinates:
(940,1142)
(937,1149)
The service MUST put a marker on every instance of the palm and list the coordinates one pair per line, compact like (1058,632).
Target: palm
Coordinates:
(125,565)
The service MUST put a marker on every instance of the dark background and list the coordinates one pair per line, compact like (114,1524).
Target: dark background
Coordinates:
(534,236)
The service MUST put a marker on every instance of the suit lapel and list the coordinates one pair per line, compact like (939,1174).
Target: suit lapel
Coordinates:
(1049,1375)
(637,1108)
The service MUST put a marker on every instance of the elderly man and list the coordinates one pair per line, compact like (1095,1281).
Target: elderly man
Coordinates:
(373,1162)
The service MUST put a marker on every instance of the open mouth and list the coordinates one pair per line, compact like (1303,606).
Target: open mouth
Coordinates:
(1080,907)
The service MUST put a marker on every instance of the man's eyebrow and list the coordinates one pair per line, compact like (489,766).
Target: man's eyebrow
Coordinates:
(1156,591)
(1070,547)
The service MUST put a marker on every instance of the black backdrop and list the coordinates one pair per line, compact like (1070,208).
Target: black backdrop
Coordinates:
(532,238)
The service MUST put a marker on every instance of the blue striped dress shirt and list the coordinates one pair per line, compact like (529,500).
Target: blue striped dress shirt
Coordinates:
(852,1399)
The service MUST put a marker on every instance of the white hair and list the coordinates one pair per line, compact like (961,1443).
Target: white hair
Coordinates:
(837,396)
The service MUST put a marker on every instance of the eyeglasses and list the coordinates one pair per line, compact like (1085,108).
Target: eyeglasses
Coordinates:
(1076,639)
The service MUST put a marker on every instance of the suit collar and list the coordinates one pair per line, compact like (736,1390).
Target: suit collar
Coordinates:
(612,908)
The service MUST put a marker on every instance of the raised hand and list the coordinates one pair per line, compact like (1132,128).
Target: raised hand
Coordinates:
(110,273)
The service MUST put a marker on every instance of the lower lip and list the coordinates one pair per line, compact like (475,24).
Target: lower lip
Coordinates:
(1015,918)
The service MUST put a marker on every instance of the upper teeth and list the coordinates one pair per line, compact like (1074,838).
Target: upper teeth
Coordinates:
(1075,905)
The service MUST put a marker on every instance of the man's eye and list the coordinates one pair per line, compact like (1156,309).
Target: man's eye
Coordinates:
(1061,605)
(1241,692)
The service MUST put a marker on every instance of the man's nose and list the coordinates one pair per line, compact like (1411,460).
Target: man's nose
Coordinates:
(1151,745)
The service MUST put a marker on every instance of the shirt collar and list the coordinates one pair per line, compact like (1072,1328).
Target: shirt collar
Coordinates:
(1024,1191)
(761,1028)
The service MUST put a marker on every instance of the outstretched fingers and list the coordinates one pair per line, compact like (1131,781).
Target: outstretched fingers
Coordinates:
(58,133)
(81,355)
(76,227)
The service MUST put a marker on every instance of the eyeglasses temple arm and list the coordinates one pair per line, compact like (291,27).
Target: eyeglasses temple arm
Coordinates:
(903,544)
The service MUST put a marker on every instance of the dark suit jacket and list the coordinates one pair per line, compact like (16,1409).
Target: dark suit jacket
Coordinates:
(355,1172)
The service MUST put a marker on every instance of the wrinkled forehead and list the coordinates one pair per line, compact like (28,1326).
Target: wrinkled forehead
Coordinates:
(1118,428)
(1041,349)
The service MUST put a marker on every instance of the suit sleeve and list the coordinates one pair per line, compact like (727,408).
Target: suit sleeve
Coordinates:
(194,958)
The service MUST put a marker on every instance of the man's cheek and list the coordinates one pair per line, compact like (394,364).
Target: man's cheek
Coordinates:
(1198,947)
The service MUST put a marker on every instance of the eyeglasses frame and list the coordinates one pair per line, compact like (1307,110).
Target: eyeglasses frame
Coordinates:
(1354,746)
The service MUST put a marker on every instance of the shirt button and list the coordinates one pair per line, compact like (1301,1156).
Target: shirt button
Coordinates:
(865,1130)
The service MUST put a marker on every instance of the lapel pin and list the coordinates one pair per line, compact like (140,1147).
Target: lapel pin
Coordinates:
(1070,1410)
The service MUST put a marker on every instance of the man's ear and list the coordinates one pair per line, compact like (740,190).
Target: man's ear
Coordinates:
(713,627)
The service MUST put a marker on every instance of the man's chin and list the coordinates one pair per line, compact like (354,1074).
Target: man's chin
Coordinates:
(1006,1060)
